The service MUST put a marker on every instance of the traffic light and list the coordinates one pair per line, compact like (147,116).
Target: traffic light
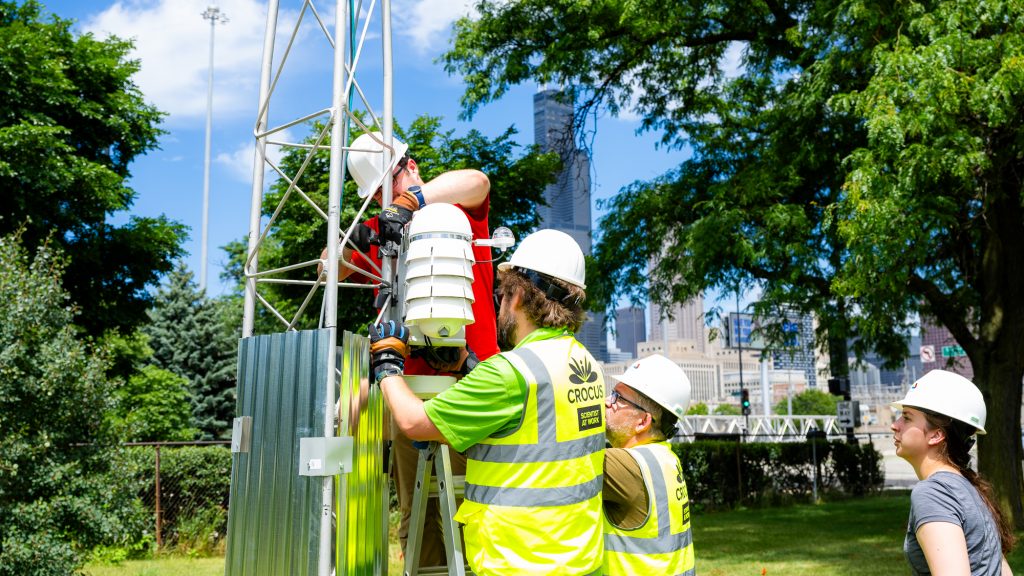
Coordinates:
(839,386)
(745,402)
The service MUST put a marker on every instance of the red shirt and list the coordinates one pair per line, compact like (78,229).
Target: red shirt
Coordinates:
(481,335)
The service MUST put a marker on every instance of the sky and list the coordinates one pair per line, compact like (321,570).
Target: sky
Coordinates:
(172,42)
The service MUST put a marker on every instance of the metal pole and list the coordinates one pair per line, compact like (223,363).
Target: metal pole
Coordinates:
(765,394)
(814,459)
(739,343)
(338,122)
(256,202)
(214,15)
(388,264)
(159,538)
(789,393)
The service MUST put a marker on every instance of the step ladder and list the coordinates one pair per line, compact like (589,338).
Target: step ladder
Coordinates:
(434,479)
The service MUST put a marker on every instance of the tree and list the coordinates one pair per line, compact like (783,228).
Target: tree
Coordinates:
(776,146)
(727,410)
(810,402)
(517,185)
(154,407)
(189,338)
(55,498)
(71,122)
(698,409)
(935,217)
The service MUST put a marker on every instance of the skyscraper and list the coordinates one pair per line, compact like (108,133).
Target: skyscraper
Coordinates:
(799,351)
(568,198)
(630,329)
(687,323)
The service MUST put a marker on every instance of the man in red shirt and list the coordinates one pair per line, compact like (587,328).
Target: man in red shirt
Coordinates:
(469,190)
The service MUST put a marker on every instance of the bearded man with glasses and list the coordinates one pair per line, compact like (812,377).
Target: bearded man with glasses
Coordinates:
(646,506)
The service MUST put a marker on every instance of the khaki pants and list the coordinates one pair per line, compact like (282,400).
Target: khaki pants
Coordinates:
(432,551)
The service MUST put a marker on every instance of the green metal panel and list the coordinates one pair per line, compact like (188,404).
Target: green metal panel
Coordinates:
(362,496)
(274,514)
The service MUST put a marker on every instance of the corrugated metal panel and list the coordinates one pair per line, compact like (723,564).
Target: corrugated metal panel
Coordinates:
(362,496)
(274,514)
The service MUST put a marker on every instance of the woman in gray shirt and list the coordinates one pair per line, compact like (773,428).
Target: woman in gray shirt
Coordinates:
(954,526)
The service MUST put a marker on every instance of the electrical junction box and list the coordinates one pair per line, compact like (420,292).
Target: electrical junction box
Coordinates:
(325,456)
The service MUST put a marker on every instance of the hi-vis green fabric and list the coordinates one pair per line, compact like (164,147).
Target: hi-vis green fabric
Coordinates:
(533,495)
(663,544)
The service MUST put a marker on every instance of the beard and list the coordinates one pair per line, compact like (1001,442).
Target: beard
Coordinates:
(506,331)
(617,434)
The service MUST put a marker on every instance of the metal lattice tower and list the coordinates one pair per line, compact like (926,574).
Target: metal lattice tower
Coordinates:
(350,409)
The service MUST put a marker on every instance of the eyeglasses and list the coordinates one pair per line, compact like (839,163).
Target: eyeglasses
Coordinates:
(402,166)
(614,398)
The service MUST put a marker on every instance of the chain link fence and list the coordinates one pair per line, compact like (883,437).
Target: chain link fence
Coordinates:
(184,487)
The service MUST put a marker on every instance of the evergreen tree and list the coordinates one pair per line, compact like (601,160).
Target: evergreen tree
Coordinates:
(188,338)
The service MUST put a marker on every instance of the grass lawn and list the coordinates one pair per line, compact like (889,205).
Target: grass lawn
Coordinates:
(862,537)
(160,566)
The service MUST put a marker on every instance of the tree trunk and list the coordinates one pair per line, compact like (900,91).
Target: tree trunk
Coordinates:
(999,451)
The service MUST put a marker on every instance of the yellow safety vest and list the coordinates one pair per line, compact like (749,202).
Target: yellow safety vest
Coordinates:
(663,544)
(533,496)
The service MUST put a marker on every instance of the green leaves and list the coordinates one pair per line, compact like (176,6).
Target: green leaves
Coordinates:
(53,396)
(71,122)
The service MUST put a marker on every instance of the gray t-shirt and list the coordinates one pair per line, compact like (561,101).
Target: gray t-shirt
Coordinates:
(949,497)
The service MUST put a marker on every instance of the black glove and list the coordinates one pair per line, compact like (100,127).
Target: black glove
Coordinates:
(362,237)
(392,223)
(389,347)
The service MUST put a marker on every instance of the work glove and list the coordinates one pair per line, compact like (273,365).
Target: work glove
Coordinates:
(392,223)
(389,347)
(454,360)
(362,237)
(407,201)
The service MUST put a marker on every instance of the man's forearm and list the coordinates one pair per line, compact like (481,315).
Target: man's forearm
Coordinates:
(407,410)
(468,188)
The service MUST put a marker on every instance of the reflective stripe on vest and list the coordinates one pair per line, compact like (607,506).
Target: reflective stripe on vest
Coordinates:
(660,547)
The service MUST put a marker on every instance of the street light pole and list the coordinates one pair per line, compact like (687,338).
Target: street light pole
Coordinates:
(214,15)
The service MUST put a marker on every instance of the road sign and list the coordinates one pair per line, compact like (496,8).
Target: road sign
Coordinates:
(951,351)
(847,413)
(927,354)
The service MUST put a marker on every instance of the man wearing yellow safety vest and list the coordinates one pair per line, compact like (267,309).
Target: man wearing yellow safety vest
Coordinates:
(530,419)
(647,509)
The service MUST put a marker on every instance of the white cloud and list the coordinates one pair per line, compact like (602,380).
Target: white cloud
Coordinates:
(427,23)
(239,161)
(172,42)
(731,63)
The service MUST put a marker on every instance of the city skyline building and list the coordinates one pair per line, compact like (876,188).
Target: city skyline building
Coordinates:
(630,328)
(568,199)
(686,323)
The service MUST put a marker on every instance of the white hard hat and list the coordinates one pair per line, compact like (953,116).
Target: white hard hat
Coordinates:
(948,394)
(366,162)
(661,380)
(553,253)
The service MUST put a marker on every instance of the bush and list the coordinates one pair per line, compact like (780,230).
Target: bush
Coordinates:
(724,474)
(194,486)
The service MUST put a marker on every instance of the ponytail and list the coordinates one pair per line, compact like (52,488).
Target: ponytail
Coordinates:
(957,450)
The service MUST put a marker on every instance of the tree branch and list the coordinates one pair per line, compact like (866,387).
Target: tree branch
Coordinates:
(947,313)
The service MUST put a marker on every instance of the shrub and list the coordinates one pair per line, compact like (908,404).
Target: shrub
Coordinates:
(194,486)
(724,474)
